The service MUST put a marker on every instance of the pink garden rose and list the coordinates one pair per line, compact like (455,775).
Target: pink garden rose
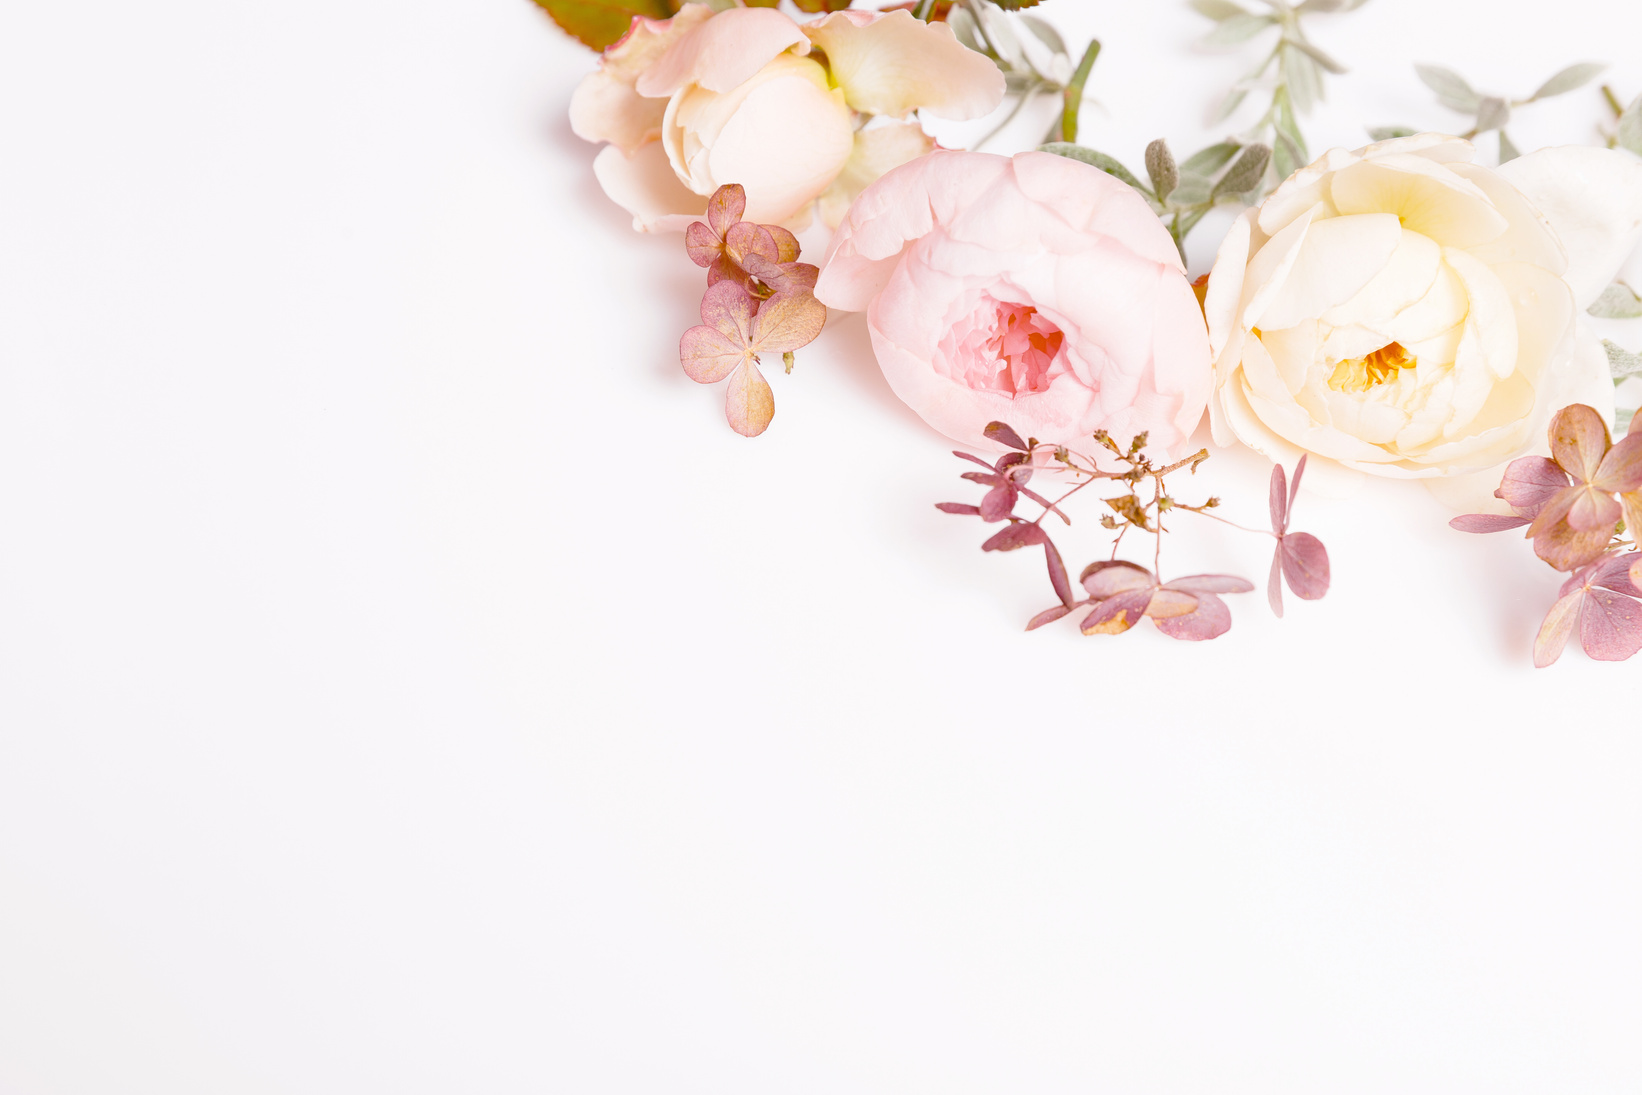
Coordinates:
(751,96)
(1036,290)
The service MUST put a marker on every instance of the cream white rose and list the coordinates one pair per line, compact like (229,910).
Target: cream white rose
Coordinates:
(1402,311)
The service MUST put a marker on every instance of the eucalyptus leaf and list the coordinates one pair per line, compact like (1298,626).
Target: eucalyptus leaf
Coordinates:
(1234,99)
(1105,163)
(1161,169)
(1629,135)
(1207,161)
(1192,190)
(1569,79)
(1492,113)
(1391,132)
(964,29)
(1328,63)
(1044,33)
(1451,88)
(1218,9)
(1284,122)
(1245,172)
(1621,362)
(1618,301)
(1287,158)
(1330,5)
(1507,149)
(1298,74)
(1238,28)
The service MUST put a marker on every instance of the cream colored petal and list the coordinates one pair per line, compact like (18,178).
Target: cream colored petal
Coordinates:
(1530,237)
(1301,191)
(1375,421)
(1291,422)
(1339,256)
(1436,147)
(1593,200)
(1225,290)
(893,64)
(1405,278)
(1430,199)
(1342,343)
(1491,322)
(1546,322)
(723,51)
(1270,267)
(785,142)
(1444,305)
(877,149)
(645,186)
(606,109)
(1294,350)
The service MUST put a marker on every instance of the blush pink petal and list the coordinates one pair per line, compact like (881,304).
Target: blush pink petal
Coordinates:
(606,106)
(644,184)
(892,64)
(723,51)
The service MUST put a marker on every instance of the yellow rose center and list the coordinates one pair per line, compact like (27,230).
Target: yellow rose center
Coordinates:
(1360,374)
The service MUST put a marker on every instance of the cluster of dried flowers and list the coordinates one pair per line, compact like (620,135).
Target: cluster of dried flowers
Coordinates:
(1578,506)
(1119,593)
(760,299)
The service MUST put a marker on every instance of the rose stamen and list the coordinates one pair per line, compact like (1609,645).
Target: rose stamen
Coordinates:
(1360,374)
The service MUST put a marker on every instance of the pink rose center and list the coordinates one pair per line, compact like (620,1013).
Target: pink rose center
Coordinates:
(1002,347)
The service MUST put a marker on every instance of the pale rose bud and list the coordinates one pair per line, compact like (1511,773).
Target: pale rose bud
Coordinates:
(1037,291)
(1402,311)
(701,100)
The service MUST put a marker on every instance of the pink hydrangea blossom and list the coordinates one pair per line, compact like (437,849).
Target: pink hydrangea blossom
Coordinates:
(1035,289)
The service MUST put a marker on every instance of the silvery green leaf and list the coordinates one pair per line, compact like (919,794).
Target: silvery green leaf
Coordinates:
(1451,88)
(1570,78)
(1207,161)
(1492,113)
(1239,28)
(1105,163)
(1285,123)
(1629,135)
(1304,82)
(1161,169)
(963,28)
(1618,301)
(1234,99)
(1328,63)
(1507,149)
(1622,421)
(1044,33)
(1621,362)
(1192,190)
(1287,158)
(1330,5)
(1391,132)
(1245,172)
(1218,9)
(994,28)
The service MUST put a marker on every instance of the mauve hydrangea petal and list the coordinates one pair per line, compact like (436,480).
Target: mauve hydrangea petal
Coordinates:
(787,322)
(999,503)
(1168,603)
(1530,482)
(1057,572)
(1018,534)
(727,307)
(1636,572)
(1305,565)
(786,244)
(749,404)
(744,241)
(1593,510)
(708,355)
(1001,433)
(1559,543)
(1558,625)
(726,207)
(1279,500)
(1210,620)
(1486,522)
(1617,572)
(1211,583)
(1118,613)
(1294,484)
(1610,626)
(1274,584)
(702,244)
(1111,578)
(1621,469)
(1579,439)
(1047,616)
(963,508)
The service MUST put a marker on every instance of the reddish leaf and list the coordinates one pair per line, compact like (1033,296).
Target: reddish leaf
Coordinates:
(708,355)
(1610,626)
(788,321)
(1210,620)
(999,503)
(1279,500)
(1211,583)
(1305,565)
(1047,616)
(726,207)
(1558,625)
(1274,584)
(749,404)
(1530,483)
(1107,579)
(1057,572)
(1018,535)
(1117,614)
(1003,435)
(963,508)
(1579,439)
(1486,522)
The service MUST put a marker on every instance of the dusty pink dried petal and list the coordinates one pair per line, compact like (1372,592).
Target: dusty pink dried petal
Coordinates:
(1636,572)
(1305,565)
(1167,603)
(708,355)
(1617,572)
(787,322)
(1108,579)
(1636,426)
(702,244)
(1610,625)
(1530,482)
(1621,468)
(1003,435)
(1210,620)
(786,244)
(1211,583)
(963,508)
(1057,572)
(745,241)
(998,504)
(1579,438)
(727,307)
(726,207)
(1294,485)
(1047,616)
(1017,534)
(749,404)
(1279,500)
(1558,625)
(1274,584)
(1559,543)
(783,277)
(1118,613)
(1486,522)
(1592,510)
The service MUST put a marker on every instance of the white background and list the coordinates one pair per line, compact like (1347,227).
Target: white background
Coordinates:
(409,684)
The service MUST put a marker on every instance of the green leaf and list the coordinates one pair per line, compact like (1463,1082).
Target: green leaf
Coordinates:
(1234,99)
(1245,172)
(1569,79)
(1452,90)
(1239,28)
(599,24)
(1207,161)
(1072,97)
(1621,362)
(1391,132)
(1299,74)
(1286,156)
(1105,163)
(1218,9)
(1044,33)
(1492,113)
(1192,190)
(1284,122)
(1161,169)
(1329,64)
(1629,135)
(1016,5)
(1618,301)
(1507,150)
